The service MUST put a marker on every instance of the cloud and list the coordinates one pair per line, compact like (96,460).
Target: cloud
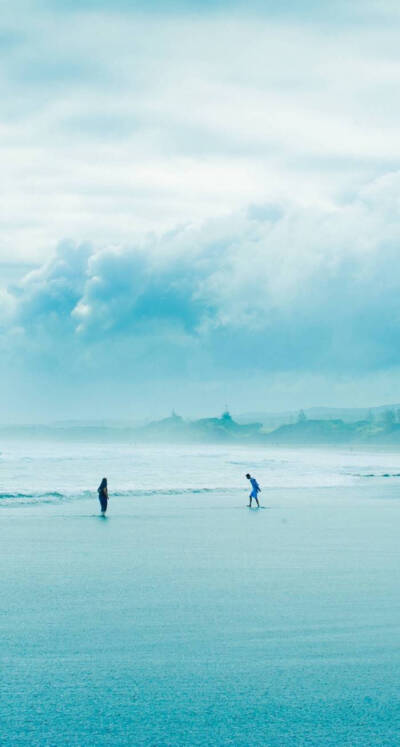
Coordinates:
(7,308)
(230,176)
(267,289)
(117,121)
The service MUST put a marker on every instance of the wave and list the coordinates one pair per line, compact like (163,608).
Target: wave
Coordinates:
(172,491)
(21,498)
(31,495)
(374,474)
(15,498)
(259,463)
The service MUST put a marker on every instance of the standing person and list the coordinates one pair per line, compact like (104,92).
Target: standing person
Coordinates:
(255,489)
(103,495)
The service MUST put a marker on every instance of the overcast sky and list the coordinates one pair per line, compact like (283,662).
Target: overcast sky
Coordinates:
(199,206)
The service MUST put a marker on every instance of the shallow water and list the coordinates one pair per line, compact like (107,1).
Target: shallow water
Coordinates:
(188,619)
(54,471)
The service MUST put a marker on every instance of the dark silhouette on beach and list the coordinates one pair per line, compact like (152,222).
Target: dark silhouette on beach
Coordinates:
(103,495)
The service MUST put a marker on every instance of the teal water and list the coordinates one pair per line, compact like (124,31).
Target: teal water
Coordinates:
(191,620)
(35,471)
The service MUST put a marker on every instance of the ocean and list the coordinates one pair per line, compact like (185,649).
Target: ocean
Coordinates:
(186,618)
(45,472)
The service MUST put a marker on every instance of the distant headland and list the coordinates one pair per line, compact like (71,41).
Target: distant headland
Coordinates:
(375,426)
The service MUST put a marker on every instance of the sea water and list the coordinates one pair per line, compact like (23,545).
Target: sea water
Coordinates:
(186,618)
(39,471)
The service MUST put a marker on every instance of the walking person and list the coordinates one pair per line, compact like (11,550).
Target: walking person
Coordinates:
(103,495)
(255,489)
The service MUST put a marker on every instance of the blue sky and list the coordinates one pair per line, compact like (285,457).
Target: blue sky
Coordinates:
(199,206)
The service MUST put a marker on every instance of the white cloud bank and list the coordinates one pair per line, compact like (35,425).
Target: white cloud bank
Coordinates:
(265,295)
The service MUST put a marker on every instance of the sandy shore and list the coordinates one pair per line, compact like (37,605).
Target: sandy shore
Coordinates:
(191,620)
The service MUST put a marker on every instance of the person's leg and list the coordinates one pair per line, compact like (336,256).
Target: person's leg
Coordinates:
(103,503)
(256,497)
(250,497)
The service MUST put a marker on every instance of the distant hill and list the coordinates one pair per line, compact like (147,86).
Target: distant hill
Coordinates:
(347,414)
(176,428)
(314,432)
(380,427)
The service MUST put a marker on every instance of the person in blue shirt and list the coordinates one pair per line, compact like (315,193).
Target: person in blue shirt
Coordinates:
(255,489)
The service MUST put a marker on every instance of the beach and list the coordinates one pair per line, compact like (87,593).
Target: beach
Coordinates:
(189,619)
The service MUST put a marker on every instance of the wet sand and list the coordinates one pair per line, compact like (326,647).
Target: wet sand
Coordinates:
(192,620)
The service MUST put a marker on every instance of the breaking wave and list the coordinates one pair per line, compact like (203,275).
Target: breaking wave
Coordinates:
(10,498)
(374,474)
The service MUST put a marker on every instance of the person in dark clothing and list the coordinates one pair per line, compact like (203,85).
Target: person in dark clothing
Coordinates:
(103,495)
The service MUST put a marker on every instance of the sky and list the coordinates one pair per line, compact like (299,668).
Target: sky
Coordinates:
(200,207)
